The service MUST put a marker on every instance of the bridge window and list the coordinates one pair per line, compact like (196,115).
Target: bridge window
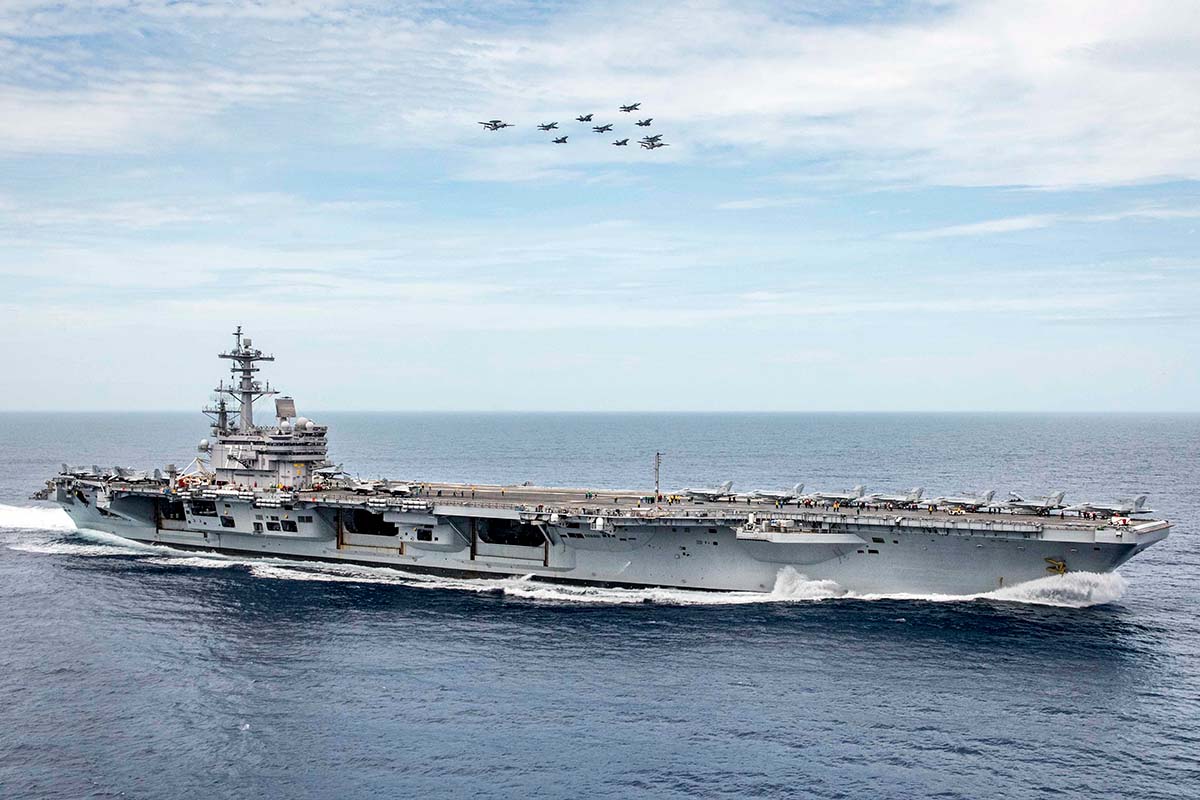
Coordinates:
(289,525)
(228,522)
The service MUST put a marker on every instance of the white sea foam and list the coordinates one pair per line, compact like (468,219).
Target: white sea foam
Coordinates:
(34,518)
(1073,590)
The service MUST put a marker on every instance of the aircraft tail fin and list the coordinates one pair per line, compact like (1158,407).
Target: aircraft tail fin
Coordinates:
(1056,499)
(915,494)
(988,495)
(859,491)
(1139,502)
(797,489)
(727,486)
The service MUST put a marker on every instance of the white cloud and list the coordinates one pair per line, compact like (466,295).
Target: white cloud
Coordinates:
(1035,221)
(1017,93)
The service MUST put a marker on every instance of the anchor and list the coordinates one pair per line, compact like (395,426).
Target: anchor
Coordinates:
(1056,565)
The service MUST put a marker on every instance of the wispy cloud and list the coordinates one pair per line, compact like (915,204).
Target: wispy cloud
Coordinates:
(1064,94)
(1035,221)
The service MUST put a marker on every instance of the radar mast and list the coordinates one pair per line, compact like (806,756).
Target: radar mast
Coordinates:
(246,389)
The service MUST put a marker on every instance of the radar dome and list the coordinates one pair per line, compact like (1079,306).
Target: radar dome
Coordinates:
(308,425)
(285,426)
(203,444)
(301,422)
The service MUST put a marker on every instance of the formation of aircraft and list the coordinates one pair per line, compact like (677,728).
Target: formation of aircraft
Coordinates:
(909,498)
(646,143)
(722,492)
(1121,508)
(778,495)
(1033,505)
(964,500)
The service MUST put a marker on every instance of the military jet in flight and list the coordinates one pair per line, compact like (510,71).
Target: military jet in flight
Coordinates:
(1121,508)
(909,498)
(602,128)
(621,142)
(1041,506)
(778,496)
(648,139)
(561,140)
(496,124)
(631,107)
(963,500)
(584,118)
(548,126)
(722,492)
(645,123)
(843,497)
(653,145)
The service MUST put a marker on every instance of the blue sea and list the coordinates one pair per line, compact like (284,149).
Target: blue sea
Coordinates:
(135,672)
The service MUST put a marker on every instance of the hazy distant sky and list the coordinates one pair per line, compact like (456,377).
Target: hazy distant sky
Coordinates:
(929,205)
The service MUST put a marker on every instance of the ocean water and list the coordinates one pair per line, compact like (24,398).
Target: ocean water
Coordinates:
(130,671)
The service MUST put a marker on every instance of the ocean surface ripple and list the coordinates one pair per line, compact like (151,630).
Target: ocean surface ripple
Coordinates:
(136,671)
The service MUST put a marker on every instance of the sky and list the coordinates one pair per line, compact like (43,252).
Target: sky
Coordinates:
(892,206)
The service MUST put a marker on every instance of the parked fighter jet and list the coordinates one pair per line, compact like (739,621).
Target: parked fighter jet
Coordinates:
(963,500)
(362,487)
(645,123)
(495,124)
(842,497)
(631,107)
(561,140)
(909,498)
(602,128)
(1121,508)
(1036,505)
(621,142)
(548,126)
(722,492)
(584,118)
(778,496)
(397,488)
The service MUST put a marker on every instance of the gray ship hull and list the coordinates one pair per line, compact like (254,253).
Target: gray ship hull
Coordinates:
(865,555)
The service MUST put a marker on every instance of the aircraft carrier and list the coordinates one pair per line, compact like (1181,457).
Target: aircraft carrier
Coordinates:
(270,490)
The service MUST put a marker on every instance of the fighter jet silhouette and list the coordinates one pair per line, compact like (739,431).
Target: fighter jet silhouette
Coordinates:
(561,140)
(602,128)
(653,138)
(631,107)
(584,118)
(621,142)
(653,145)
(645,123)
(548,126)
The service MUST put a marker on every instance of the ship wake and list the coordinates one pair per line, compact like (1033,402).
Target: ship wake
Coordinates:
(1073,590)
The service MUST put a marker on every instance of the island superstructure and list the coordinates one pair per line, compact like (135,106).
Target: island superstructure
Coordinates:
(270,490)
